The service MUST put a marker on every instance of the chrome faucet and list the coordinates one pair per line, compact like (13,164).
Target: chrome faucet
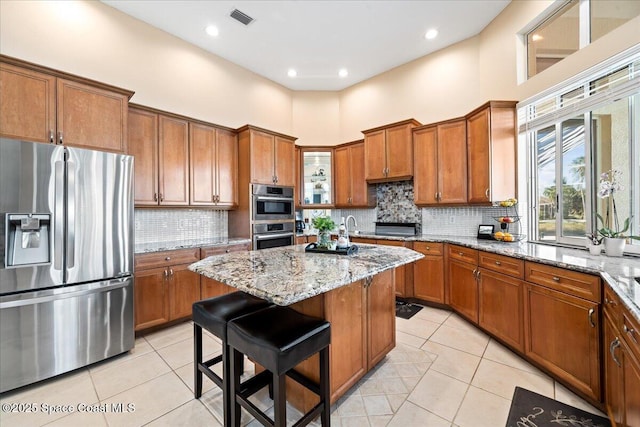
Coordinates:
(346,223)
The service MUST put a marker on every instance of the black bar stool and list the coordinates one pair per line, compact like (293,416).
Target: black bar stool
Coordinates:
(278,338)
(213,315)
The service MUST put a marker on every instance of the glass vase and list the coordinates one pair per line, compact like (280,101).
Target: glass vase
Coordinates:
(324,239)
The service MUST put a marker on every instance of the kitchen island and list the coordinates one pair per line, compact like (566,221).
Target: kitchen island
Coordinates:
(356,293)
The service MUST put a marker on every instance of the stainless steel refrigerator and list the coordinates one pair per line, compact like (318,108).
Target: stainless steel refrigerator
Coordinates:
(66,259)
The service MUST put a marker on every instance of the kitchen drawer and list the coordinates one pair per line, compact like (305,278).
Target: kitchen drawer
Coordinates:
(362,240)
(462,254)
(612,306)
(501,264)
(391,242)
(572,282)
(223,249)
(631,332)
(428,248)
(166,258)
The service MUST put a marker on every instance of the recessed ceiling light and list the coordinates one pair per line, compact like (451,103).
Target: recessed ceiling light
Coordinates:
(292,72)
(212,30)
(343,72)
(536,37)
(431,34)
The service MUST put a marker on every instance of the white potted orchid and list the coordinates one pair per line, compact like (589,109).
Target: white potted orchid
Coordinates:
(613,233)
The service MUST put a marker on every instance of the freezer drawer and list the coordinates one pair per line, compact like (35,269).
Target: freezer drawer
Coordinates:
(47,333)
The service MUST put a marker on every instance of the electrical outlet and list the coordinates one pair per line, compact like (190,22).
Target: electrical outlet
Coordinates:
(452,220)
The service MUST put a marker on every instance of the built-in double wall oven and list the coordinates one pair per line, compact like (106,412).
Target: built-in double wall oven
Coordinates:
(273,216)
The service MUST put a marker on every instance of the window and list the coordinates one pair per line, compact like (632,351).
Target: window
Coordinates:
(576,132)
(575,24)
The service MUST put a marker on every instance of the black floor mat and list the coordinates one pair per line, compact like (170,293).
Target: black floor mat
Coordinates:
(406,311)
(529,409)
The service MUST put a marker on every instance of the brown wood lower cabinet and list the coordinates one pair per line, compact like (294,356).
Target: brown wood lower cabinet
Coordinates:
(500,307)
(621,363)
(562,335)
(363,324)
(184,290)
(151,298)
(428,272)
(164,289)
(462,283)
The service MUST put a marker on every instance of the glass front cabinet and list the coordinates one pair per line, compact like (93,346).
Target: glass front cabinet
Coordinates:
(316,165)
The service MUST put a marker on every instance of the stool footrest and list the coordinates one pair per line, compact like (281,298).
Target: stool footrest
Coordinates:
(304,381)
(202,367)
(254,410)
(213,361)
(255,383)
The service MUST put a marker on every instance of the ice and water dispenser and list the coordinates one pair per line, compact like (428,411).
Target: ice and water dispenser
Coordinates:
(27,239)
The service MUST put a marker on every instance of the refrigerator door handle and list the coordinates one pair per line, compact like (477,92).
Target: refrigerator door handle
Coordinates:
(71,213)
(20,300)
(58,236)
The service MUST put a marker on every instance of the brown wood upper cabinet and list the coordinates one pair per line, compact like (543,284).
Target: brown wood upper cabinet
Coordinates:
(440,167)
(43,105)
(213,165)
(388,152)
(271,155)
(351,188)
(160,145)
(491,152)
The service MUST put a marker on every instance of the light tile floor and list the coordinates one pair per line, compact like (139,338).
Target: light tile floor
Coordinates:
(443,372)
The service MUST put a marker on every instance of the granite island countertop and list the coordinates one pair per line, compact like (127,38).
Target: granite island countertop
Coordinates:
(287,275)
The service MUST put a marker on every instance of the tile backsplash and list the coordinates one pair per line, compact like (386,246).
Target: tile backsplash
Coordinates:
(395,204)
(168,225)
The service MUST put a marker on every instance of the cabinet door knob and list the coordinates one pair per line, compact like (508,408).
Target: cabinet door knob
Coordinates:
(167,258)
(155,197)
(461,253)
(591,311)
(555,278)
(51,137)
(161,197)
(171,271)
(498,263)
(486,193)
(60,139)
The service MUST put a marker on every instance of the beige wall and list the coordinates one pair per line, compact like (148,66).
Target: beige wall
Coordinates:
(316,118)
(93,40)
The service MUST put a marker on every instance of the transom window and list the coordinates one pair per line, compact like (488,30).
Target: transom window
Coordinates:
(572,26)
(575,133)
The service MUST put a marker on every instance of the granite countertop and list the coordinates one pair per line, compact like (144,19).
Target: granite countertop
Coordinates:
(185,244)
(618,272)
(287,275)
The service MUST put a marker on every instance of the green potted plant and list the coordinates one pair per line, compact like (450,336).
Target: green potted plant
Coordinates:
(613,233)
(324,225)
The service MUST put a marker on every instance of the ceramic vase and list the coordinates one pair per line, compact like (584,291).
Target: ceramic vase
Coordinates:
(594,249)
(614,246)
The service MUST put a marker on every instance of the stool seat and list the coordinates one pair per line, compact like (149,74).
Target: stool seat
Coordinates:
(213,314)
(278,337)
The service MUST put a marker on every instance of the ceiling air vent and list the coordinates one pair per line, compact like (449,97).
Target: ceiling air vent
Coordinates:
(241,17)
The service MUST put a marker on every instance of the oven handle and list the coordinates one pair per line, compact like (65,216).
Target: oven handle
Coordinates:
(272,236)
(274,198)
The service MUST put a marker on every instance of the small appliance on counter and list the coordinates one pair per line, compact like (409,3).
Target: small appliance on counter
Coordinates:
(300,225)
(402,229)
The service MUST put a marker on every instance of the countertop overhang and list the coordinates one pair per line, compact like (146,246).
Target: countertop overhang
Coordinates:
(287,275)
